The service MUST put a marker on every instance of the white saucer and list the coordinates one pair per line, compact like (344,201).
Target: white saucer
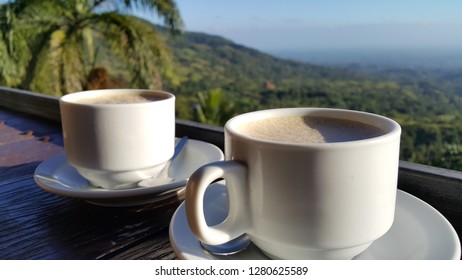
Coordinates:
(418,232)
(55,175)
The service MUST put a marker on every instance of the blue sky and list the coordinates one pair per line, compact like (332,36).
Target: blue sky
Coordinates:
(300,25)
(329,24)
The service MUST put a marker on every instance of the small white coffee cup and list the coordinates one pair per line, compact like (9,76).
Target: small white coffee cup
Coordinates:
(303,200)
(117,137)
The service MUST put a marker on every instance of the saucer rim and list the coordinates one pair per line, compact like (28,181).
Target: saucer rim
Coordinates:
(405,199)
(133,201)
(52,185)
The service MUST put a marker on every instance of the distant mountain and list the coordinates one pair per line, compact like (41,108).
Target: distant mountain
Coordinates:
(207,61)
(418,58)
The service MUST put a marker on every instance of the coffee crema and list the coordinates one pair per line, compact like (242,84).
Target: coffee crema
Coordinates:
(296,129)
(126,98)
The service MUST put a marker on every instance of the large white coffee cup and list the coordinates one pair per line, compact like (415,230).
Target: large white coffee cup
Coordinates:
(302,200)
(117,137)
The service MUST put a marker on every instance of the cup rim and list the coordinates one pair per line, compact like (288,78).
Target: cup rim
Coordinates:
(391,127)
(71,98)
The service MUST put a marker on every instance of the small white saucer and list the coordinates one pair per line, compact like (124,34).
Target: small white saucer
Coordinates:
(418,232)
(56,176)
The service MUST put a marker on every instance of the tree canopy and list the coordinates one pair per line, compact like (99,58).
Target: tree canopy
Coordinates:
(51,46)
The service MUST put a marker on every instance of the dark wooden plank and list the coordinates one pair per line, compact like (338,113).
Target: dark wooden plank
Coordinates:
(153,248)
(35,224)
(207,133)
(33,126)
(441,188)
(41,105)
(26,151)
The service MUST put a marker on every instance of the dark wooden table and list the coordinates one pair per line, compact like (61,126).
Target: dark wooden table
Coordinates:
(35,224)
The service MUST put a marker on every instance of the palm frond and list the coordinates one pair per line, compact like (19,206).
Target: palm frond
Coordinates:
(214,108)
(165,9)
(49,45)
(44,72)
(137,43)
(73,74)
(14,52)
(168,10)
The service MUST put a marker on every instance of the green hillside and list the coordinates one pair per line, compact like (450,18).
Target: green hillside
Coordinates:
(427,106)
(204,62)
(246,76)
(212,61)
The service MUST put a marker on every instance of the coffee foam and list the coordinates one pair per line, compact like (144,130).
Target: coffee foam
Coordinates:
(296,129)
(126,98)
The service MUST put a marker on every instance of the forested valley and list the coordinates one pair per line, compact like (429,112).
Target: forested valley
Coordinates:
(217,79)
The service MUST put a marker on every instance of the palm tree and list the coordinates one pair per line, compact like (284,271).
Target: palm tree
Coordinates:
(51,46)
(214,108)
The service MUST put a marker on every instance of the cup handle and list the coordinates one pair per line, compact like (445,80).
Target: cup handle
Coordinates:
(236,223)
